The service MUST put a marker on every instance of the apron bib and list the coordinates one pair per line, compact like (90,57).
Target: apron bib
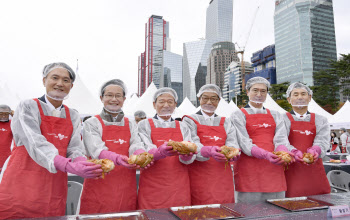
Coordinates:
(303,180)
(28,189)
(166,183)
(259,175)
(117,192)
(211,181)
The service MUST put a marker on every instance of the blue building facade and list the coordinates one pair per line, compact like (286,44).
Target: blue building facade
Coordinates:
(264,64)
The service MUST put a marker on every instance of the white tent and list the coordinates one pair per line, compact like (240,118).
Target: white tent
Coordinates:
(272,105)
(224,109)
(233,106)
(129,104)
(81,99)
(187,107)
(341,119)
(315,108)
(145,102)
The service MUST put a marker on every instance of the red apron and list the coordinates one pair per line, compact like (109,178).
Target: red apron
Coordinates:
(117,192)
(334,147)
(211,181)
(303,180)
(28,189)
(5,141)
(166,183)
(259,175)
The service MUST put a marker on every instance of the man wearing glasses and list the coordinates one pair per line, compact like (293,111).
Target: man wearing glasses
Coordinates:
(5,133)
(210,180)
(259,174)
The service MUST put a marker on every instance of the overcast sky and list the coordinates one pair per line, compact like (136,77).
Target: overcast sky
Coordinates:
(108,35)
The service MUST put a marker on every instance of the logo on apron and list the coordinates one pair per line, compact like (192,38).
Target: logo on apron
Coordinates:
(120,141)
(164,140)
(264,125)
(3,129)
(306,132)
(59,136)
(215,138)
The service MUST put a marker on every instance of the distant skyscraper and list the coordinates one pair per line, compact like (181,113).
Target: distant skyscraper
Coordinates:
(156,40)
(141,75)
(172,73)
(196,53)
(221,55)
(219,20)
(233,79)
(264,64)
(304,38)
(195,56)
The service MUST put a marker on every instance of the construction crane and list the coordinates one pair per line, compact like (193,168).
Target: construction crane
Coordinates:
(241,51)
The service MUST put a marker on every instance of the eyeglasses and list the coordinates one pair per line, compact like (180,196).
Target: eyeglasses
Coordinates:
(4,113)
(256,91)
(212,99)
(111,96)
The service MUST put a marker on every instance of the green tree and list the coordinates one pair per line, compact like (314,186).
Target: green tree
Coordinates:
(278,91)
(328,83)
(242,99)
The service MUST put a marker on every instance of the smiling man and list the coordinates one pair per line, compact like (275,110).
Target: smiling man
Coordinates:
(210,131)
(47,137)
(307,133)
(259,174)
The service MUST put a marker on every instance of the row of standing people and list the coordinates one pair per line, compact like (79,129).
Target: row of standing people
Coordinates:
(47,138)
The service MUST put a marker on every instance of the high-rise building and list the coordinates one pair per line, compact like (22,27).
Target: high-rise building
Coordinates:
(141,75)
(219,20)
(172,73)
(304,39)
(264,64)
(196,53)
(156,40)
(233,79)
(220,57)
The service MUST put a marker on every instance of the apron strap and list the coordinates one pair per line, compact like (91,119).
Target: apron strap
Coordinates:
(268,111)
(312,120)
(245,112)
(222,121)
(190,118)
(126,122)
(100,119)
(177,124)
(151,123)
(290,116)
(67,112)
(39,106)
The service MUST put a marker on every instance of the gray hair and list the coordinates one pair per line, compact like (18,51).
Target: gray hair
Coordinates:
(5,108)
(165,90)
(116,82)
(49,67)
(256,80)
(140,114)
(298,85)
(209,88)
(343,129)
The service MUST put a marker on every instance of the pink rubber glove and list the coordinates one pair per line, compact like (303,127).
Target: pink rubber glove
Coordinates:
(140,151)
(77,159)
(236,157)
(166,150)
(260,153)
(285,149)
(120,160)
(298,155)
(80,168)
(315,151)
(213,151)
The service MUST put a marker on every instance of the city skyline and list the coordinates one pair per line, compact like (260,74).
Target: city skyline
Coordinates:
(106,36)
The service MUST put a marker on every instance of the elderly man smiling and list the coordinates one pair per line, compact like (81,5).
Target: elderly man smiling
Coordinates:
(307,133)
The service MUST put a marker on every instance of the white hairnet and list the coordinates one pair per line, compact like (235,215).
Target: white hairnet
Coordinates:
(165,90)
(49,67)
(116,82)
(298,85)
(343,129)
(5,108)
(140,114)
(209,88)
(256,80)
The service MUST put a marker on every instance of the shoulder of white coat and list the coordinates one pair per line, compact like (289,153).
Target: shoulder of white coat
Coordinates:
(73,113)
(236,113)
(143,124)
(27,103)
(322,118)
(274,112)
